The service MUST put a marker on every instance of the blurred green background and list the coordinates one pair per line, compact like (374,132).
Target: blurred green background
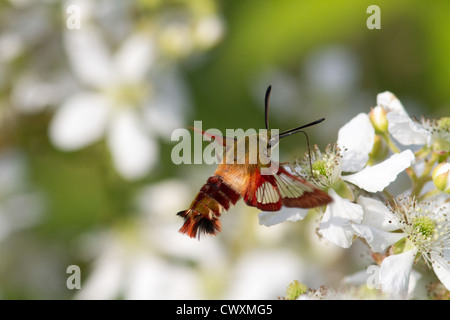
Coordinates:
(85,190)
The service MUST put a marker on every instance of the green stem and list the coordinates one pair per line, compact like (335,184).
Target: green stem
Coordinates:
(412,175)
(389,142)
(389,197)
(430,164)
(422,153)
(420,183)
(425,177)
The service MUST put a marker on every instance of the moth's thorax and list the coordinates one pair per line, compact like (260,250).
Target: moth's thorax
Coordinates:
(248,155)
(251,149)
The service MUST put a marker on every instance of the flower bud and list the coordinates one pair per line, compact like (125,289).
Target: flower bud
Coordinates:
(378,119)
(441,177)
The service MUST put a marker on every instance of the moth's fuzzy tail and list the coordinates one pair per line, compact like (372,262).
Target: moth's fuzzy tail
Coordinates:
(215,197)
(197,224)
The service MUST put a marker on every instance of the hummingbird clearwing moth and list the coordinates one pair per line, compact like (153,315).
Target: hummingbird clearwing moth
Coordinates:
(243,178)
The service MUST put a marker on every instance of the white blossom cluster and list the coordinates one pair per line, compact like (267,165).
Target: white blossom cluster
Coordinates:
(403,229)
(120,81)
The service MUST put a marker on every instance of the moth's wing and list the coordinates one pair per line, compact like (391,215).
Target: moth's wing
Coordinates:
(271,192)
(262,192)
(299,193)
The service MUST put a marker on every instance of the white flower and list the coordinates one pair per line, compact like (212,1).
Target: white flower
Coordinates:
(126,267)
(326,167)
(439,131)
(370,279)
(355,139)
(412,228)
(336,225)
(270,218)
(377,225)
(114,106)
(395,272)
(425,228)
(408,131)
(386,103)
(390,103)
(376,178)
(327,175)
(341,215)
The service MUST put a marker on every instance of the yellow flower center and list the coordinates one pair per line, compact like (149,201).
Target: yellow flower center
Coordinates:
(424,227)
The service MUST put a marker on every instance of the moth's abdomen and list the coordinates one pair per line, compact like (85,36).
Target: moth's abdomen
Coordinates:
(203,215)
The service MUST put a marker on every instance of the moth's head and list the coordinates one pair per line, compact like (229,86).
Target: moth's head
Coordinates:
(256,148)
(272,138)
(268,140)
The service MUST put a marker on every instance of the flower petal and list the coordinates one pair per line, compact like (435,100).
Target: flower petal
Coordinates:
(394,273)
(358,278)
(356,141)
(377,215)
(390,103)
(134,57)
(79,121)
(285,214)
(134,151)
(336,222)
(379,176)
(407,131)
(377,239)
(441,267)
(89,56)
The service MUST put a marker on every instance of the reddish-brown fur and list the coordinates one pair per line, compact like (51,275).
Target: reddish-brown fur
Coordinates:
(203,215)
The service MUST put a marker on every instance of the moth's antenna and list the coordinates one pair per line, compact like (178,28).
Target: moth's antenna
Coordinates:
(296,130)
(309,152)
(266,105)
(291,131)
